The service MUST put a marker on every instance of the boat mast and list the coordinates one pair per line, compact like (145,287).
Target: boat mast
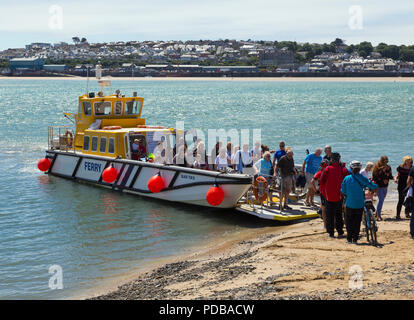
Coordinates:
(98,76)
(87,81)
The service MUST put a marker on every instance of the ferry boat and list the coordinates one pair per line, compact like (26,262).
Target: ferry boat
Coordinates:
(99,151)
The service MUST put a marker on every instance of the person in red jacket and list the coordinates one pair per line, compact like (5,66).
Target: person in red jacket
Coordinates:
(331,180)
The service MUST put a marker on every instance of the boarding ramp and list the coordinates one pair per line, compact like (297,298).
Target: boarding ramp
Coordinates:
(272,207)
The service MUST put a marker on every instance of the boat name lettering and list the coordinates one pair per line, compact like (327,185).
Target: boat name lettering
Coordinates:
(92,166)
(185,176)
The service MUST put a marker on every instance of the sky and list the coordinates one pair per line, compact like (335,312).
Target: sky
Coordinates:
(316,21)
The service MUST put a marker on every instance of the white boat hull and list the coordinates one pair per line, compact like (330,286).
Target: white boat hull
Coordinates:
(185,185)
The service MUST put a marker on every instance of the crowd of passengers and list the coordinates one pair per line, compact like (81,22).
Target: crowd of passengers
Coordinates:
(325,176)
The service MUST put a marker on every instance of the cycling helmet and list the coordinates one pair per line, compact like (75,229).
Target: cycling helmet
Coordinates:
(355,164)
(336,157)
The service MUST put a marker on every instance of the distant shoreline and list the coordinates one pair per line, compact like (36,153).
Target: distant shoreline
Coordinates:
(243,79)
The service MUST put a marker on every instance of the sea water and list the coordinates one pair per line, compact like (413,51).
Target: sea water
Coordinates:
(95,234)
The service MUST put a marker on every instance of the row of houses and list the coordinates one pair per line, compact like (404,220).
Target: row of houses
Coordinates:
(178,56)
(328,62)
(351,64)
(159,52)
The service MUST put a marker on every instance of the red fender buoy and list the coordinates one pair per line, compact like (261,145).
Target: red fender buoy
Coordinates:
(109,174)
(156,184)
(215,196)
(44,164)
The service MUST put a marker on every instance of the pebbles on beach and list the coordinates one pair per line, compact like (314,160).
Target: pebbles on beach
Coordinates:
(296,265)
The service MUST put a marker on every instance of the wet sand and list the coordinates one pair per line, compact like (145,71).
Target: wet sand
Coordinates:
(242,79)
(297,261)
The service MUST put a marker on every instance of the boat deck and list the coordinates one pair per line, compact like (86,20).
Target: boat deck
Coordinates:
(299,211)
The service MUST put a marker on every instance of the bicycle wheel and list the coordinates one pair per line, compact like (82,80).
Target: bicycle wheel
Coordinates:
(366,224)
(373,230)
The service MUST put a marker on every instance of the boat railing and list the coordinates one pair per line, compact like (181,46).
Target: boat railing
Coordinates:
(61,138)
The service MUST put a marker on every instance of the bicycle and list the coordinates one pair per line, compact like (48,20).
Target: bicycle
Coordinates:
(370,223)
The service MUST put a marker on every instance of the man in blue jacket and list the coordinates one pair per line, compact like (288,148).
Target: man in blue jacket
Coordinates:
(353,188)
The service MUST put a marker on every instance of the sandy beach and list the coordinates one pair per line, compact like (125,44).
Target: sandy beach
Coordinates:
(242,79)
(296,261)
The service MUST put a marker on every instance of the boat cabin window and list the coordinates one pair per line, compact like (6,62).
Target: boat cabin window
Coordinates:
(102,108)
(102,145)
(87,109)
(86,143)
(118,108)
(94,144)
(133,107)
(111,145)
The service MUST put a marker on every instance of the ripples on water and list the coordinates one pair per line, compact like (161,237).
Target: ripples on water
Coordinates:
(95,234)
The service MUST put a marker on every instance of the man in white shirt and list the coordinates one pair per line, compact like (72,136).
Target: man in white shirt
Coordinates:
(244,161)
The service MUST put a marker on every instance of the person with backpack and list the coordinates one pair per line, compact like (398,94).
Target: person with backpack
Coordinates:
(353,188)
(331,180)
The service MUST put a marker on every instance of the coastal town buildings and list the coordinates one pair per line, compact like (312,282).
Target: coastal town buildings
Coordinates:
(195,57)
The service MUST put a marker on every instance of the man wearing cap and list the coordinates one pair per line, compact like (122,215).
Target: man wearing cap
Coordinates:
(138,150)
(331,180)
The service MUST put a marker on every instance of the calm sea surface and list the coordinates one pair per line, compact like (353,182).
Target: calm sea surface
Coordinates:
(95,234)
